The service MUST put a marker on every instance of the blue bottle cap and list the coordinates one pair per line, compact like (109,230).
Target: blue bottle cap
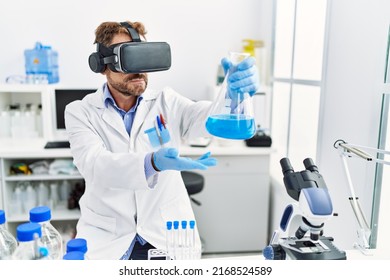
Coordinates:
(169,225)
(40,214)
(176,224)
(192,224)
(77,244)
(2,217)
(27,231)
(183,224)
(74,255)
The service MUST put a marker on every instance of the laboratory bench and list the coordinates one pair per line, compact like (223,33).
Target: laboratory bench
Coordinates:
(233,215)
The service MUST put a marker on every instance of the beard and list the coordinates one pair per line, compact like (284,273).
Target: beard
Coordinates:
(125,87)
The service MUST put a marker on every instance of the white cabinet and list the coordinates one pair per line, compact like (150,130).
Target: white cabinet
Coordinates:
(62,217)
(25,125)
(234,211)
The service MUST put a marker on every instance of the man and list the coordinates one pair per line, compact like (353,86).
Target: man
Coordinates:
(133,186)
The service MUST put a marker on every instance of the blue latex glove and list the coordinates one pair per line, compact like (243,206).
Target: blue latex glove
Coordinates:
(244,78)
(169,159)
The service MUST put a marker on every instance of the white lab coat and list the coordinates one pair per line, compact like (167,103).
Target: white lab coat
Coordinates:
(119,201)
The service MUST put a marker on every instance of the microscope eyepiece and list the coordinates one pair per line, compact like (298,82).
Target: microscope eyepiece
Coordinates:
(309,165)
(286,166)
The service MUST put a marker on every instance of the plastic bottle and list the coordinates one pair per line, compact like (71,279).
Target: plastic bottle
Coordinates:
(64,190)
(41,64)
(31,197)
(51,238)
(29,247)
(8,242)
(54,196)
(43,194)
(5,124)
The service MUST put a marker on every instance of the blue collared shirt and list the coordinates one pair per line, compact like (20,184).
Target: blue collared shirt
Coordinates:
(128,118)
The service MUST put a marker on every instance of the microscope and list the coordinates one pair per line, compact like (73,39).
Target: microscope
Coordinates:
(300,234)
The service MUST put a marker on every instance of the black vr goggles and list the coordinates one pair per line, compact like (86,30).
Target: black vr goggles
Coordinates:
(131,57)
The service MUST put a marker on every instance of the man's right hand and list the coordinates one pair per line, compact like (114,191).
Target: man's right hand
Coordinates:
(169,159)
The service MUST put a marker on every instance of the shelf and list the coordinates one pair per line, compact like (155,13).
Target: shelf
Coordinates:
(43,177)
(60,213)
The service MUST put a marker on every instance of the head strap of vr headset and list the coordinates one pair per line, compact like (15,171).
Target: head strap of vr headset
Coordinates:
(107,53)
(133,33)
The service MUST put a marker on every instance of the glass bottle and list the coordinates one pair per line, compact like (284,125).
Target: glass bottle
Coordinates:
(51,238)
(29,247)
(231,115)
(8,242)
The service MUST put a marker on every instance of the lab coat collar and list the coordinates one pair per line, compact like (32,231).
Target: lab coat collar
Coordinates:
(112,118)
(97,98)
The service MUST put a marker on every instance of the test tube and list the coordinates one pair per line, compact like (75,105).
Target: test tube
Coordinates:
(184,240)
(176,242)
(169,240)
(192,248)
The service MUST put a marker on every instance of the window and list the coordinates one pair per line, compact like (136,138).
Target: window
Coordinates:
(297,72)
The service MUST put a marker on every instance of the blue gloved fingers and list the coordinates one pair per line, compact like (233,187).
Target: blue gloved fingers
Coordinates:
(226,64)
(188,164)
(169,159)
(171,152)
(250,84)
(242,74)
(246,63)
(205,159)
(208,161)
(204,156)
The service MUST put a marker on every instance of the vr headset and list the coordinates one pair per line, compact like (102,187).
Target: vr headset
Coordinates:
(131,57)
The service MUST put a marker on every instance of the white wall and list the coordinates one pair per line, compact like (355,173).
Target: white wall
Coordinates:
(355,64)
(200,33)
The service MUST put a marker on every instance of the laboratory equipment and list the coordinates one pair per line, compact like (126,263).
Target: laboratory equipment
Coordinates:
(41,64)
(300,234)
(131,57)
(169,240)
(8,242)
(29,246)
(50,238)
(347,150)
(180,242)
(231,115)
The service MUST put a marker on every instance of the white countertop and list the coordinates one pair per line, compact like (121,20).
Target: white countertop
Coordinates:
(372,254)
(32,148)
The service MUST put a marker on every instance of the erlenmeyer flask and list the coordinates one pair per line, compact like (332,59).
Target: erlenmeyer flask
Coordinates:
(231,115)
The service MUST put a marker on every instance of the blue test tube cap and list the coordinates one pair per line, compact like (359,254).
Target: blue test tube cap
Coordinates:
(176,224)
(169,225)
(192,224)
(183,224)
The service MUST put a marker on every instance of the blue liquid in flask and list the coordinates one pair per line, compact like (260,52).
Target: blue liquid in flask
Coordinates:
(231,126)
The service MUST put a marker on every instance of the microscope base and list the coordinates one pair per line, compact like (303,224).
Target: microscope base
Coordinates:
(306,249)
